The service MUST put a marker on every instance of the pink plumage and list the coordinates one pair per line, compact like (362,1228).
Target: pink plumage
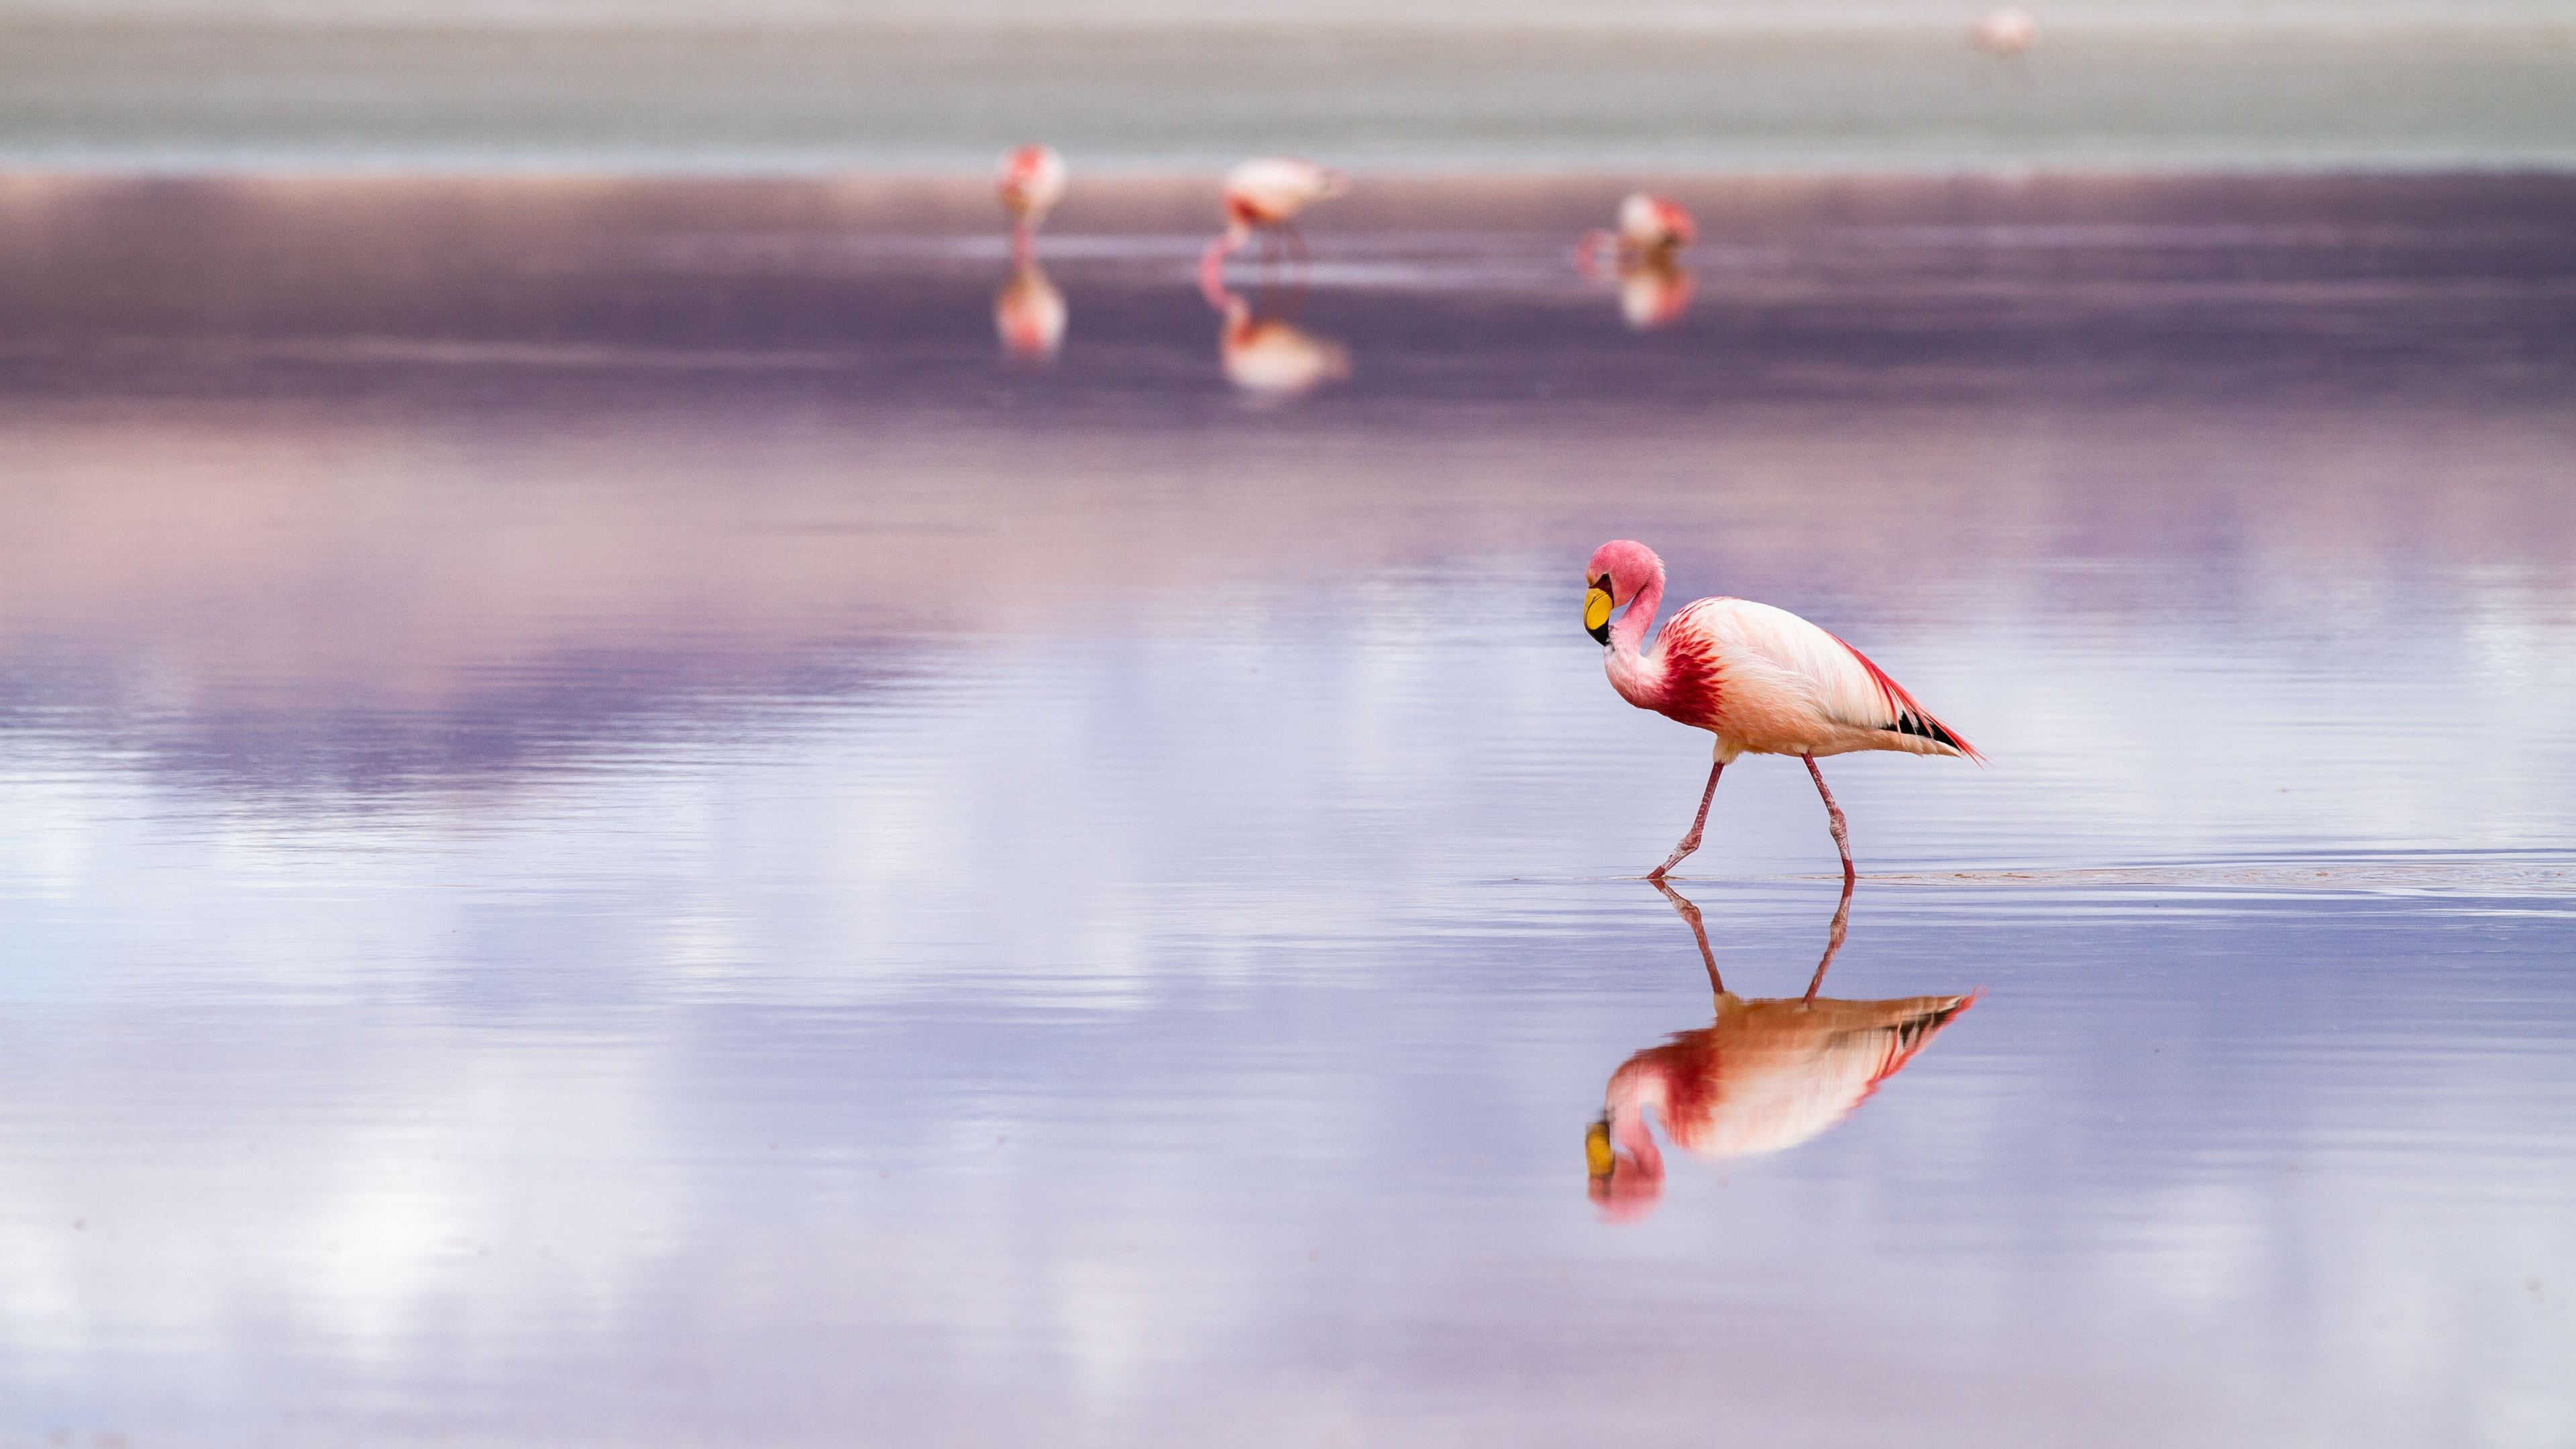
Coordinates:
(1266,194)
(1759,679)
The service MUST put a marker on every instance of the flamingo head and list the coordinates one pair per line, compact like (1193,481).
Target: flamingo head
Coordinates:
(1626,1179)
(1619,571)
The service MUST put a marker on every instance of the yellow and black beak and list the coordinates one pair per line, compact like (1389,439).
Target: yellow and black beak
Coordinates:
(1597,1158)
(1596,610)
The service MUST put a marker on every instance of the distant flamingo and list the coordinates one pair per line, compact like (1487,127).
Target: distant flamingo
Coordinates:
(1029,314)
(1032,182)
(1266,194)
(1651,228)
(1762,680)
(2007,32)
(1763,1077)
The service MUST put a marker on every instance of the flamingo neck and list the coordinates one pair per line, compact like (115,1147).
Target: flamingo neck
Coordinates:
(1630,1134)
(1635,675)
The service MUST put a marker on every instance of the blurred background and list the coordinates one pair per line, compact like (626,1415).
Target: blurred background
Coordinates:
(806,86)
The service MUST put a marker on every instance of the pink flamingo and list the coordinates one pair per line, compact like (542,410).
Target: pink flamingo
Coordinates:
(1651,229)
(1763,1077)
(1032,182)
(1762,680)
(1265,194)
(2007,32)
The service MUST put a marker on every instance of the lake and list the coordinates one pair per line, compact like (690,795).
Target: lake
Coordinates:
(687,813)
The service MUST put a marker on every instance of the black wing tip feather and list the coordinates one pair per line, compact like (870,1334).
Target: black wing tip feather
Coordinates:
(1923,726)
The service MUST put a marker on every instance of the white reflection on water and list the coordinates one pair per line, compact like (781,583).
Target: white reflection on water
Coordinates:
(653,904)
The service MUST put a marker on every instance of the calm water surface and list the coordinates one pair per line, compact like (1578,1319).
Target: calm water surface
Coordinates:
(618,830)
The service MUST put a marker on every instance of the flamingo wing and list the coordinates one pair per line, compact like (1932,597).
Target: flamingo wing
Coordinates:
(1771,657)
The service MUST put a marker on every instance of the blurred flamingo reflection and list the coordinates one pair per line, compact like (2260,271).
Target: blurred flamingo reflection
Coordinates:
(1029,314)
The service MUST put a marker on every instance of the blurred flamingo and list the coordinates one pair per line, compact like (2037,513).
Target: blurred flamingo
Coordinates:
(1032,182)
(1029,314)
(1765,1076)
(2007,32)
(1762,680)
(1266,194)
(1651,228)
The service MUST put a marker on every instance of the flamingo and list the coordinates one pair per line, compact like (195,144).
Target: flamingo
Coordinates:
(1032,182)
(1765,1076)
(1029,314)
(1266,194)
(1760,679)
(2007,32)
(1651,228)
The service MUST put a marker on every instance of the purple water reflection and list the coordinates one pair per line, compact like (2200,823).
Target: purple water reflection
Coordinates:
(619,832)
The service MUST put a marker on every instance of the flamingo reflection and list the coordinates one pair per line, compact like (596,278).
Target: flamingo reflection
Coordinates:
(1261,350)
(1765,1076)
(1654,294)
(1029,314)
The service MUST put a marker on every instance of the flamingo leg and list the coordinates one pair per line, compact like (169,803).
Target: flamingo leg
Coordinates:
(1699,932)
(1296,241)
(1212,270)
(1833,818)
(1690,842)
(1024,244)
(1833,941)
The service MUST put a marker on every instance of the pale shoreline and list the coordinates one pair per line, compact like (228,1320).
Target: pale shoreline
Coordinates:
(891,100)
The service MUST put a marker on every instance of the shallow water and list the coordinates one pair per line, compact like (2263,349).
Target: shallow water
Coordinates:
(621,831)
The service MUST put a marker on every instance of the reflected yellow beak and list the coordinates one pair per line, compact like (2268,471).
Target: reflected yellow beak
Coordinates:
(1596,1149)
(1596,612)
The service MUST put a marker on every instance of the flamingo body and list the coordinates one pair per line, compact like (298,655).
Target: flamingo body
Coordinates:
(1651,223)
(1272,190)
(1651,230)
(1032,182)
(1265,194)
(1759,679)
(2007,32)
